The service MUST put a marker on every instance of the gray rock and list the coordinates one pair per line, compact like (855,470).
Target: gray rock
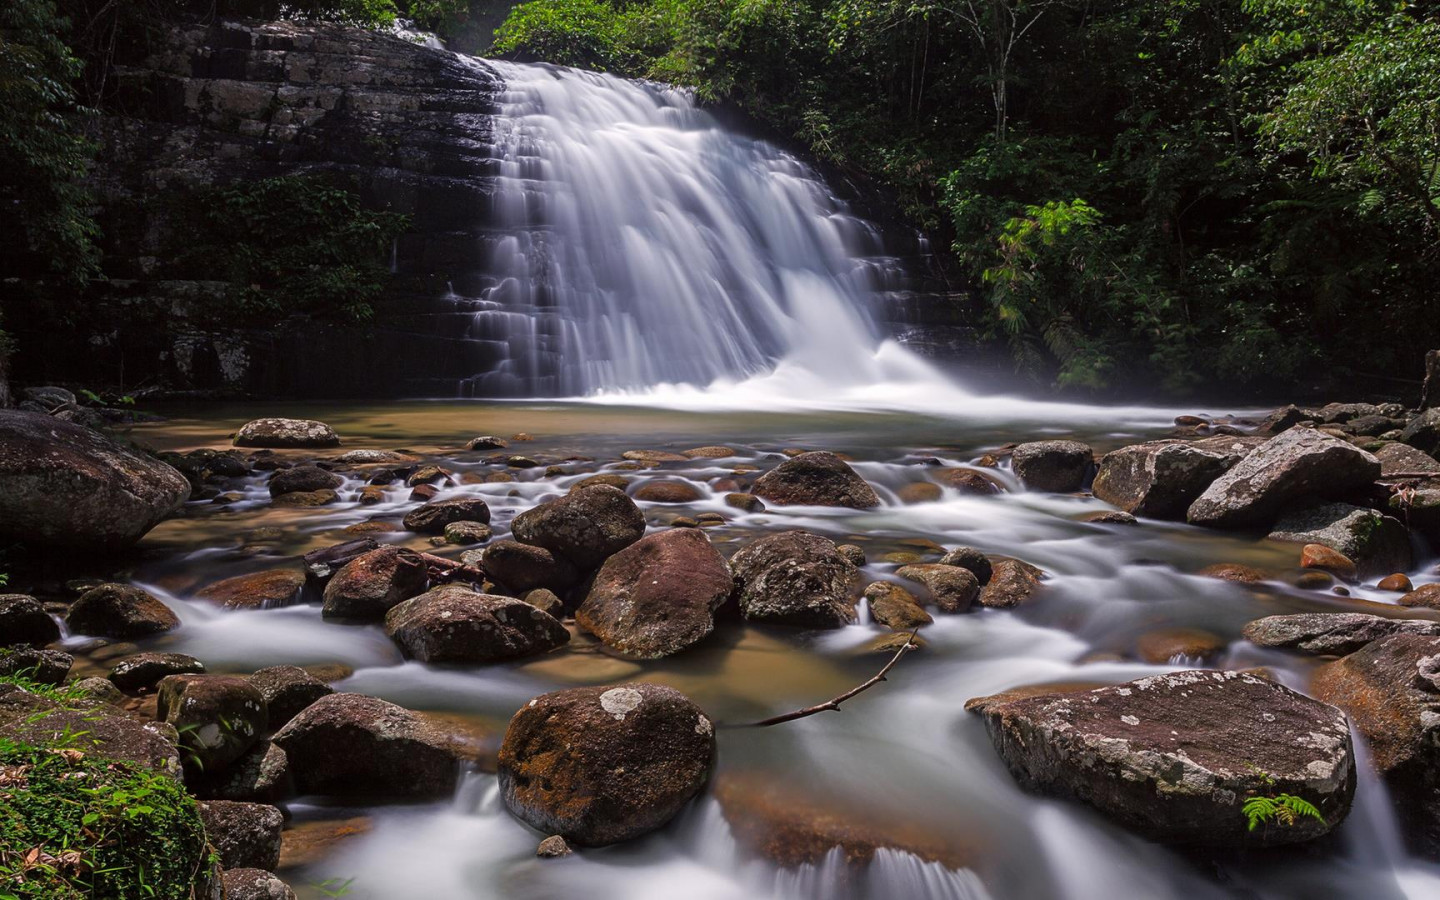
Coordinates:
(1174,756)
(553,847)
(66,486)
(600,765)
(522,568)
(584,527)
(350,745)
(1056,466)
(795,578)
(255,884)
(39,666)
(300,479)
(260,775)
(1330,634)
(34,719)
(1376,543)
(1423,432)
(246,835)
(453,624)
(286,433)
(1158,480)
(952,589)
(218,717)
(144,670)
(815,479)
(1301,464)
(658,596)
(1396,458)
(287,690)
(970,559)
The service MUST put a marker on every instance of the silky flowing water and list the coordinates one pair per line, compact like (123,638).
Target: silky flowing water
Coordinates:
(904,755)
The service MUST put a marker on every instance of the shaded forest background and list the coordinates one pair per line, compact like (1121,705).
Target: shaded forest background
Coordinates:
(1203,195)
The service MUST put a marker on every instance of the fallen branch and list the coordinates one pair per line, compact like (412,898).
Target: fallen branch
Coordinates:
(449,570)
(834,704)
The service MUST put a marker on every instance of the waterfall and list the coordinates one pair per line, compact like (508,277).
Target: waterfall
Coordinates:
(647,245)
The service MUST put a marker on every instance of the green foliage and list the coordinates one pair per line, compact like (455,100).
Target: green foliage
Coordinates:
(584,33)
(292,245)
(1284,809)
(46,226)
(76,825)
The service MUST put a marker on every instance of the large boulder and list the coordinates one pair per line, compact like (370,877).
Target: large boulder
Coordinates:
(1391,690)
(270,589)
(795,578)
(1298,465)
(584,527)
(371,584)
(1330,634)
(453,624)
(815,479)
(350,745)
(24,621)
(287,691)
(435,515)
(1397,459)
(39,666)
(246,835)
(65,486)
(219,717)
(119,611)
(286,433)
(522,567)
(1423,432)
(658,595)
(599,765)
(1176,756)
(1158,480)
(1056,466)
(1376,543)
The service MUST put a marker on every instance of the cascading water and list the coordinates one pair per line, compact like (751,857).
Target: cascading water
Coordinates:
(647,245)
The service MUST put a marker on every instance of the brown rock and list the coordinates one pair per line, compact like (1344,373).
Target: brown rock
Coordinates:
(1234,572)
(795,578)
(920,492)
(371,584)
(270,589)
(657,491)
(23,621)
(1397,582)
(521,567)
(653,456)
(1012,583)
(435,515)
(119,611)
(1319,556)
(968,481)
(303,479)
(709,453)
(744,502)
(894,607)
(815,479)
(583,527)
(453,624)
(1179,646)
(952,588)
(246,835)
(1055,466)
(1426,595)
(658,596)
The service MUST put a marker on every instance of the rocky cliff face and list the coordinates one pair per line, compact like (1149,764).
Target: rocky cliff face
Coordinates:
(410,125)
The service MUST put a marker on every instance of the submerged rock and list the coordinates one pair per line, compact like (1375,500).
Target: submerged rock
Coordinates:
(1297,466)
(286,433)
(269,589)
(1158,480)
(66,486)
(658,596)
(1330,634)
(584,527)
(1056,466)
(350,745)
(1174,757)
(453,624)
(819,478)
(600,765)
(795,578)
(1391,689)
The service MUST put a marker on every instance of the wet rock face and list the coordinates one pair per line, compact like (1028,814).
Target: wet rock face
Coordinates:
(1175,756)
(119,611)
(1331,634)
(286,433)
(1378,544)
(1299,465)
(815,479)
(1158,480)
(795,578)
(657,596)
(1056,466)
(583,527)
(600,765)
(1390,688)
(350,745)
(453,624)
(371,584)
(66,486)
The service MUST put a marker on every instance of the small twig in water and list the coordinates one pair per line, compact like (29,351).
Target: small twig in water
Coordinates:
(834,704)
